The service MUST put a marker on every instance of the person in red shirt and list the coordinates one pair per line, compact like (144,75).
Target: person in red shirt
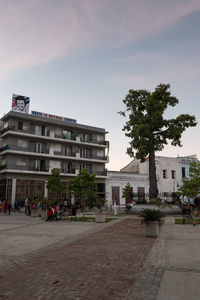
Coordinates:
(49,214)
(9,207)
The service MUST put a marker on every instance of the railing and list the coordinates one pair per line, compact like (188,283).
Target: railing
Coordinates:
(3,148)
(94,142)
(90,156)
(3,167)
(61,153)
(61,136)
(27,168)
(24,149)
(29,131)
(63,170)
(100,173)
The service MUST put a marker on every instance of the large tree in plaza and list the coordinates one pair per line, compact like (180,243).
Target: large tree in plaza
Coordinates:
(147,128)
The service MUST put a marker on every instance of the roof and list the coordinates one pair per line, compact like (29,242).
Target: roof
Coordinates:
(30,117)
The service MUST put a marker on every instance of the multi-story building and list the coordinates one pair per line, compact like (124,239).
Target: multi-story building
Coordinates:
(33,144)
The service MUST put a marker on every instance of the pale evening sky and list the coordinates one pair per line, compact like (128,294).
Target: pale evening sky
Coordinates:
(79,58)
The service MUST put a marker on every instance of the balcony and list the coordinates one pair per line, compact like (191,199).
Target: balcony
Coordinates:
(6,129)
(3,167)
(91,156)
(66,171)
(61,136)
(23,149)
(25,168)
(61,153)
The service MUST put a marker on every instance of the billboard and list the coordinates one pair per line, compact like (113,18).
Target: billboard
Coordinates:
(20,103)
(48,116)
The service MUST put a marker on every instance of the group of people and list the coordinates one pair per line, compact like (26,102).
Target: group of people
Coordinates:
(61,210)
(5,207)
(189,205)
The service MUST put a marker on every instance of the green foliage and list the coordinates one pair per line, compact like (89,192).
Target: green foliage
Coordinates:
(147,128)
(186,221)
(191,186)
(44,202)
(127,191)
(54,182)
(160,203)
(100,201)
(150,215)
(83,187)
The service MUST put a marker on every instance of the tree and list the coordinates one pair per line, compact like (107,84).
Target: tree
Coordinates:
(191,185)
(147,128)
(54,182)
(127,192)
(84,187)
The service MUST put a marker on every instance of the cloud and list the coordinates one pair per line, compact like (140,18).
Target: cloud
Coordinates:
(157,68)
(35,32)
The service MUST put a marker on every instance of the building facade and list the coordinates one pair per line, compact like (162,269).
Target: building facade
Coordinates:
(31,145)
(170,172)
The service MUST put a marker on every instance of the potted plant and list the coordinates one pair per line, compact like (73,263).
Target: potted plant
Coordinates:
(100,217)
(44,204)
(151,218)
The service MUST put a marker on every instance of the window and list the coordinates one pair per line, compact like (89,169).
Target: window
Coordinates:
(141,194)
(183,172)
(3,162)
(22,143)
(67,134)
(173,174)
(5,124)
(40,148)
(165,174)
(38,130)
(115,194)
(20,125)
(21,162)
(67,150)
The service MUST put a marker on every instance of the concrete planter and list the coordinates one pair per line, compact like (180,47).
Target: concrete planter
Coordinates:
(22,209)
(34,212)
(43,214)
(151,228)
(100,218)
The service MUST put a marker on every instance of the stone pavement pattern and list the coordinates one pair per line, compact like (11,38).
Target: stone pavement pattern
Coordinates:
(172,268)
(102,265)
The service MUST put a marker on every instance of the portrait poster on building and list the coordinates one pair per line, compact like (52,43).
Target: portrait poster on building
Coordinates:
(20,103)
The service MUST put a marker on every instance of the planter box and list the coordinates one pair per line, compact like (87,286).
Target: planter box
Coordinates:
(43,214)
(34,212)
(151,228)
(100,218)
(22,209)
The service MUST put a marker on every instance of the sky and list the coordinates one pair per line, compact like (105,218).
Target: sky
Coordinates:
(79,59)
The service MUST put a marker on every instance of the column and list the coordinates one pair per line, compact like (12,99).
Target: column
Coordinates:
(13,194)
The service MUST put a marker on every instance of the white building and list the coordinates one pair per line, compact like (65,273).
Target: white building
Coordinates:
(170,173)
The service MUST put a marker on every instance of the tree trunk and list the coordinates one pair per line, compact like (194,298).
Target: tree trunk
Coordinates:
(153,190)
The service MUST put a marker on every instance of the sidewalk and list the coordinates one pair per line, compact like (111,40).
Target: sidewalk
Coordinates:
(81,261)
(102,264)
(172,269)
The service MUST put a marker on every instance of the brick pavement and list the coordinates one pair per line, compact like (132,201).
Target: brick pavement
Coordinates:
(103,265)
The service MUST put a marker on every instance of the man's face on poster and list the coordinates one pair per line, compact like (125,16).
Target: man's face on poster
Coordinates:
(20,104)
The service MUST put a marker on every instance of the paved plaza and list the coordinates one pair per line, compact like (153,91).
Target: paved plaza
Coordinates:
(88,261)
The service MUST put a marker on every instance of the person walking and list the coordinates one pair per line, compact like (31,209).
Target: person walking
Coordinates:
(191,203)
(26,206)
(9,207)
(197,205)
(1,207)
(5,207)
